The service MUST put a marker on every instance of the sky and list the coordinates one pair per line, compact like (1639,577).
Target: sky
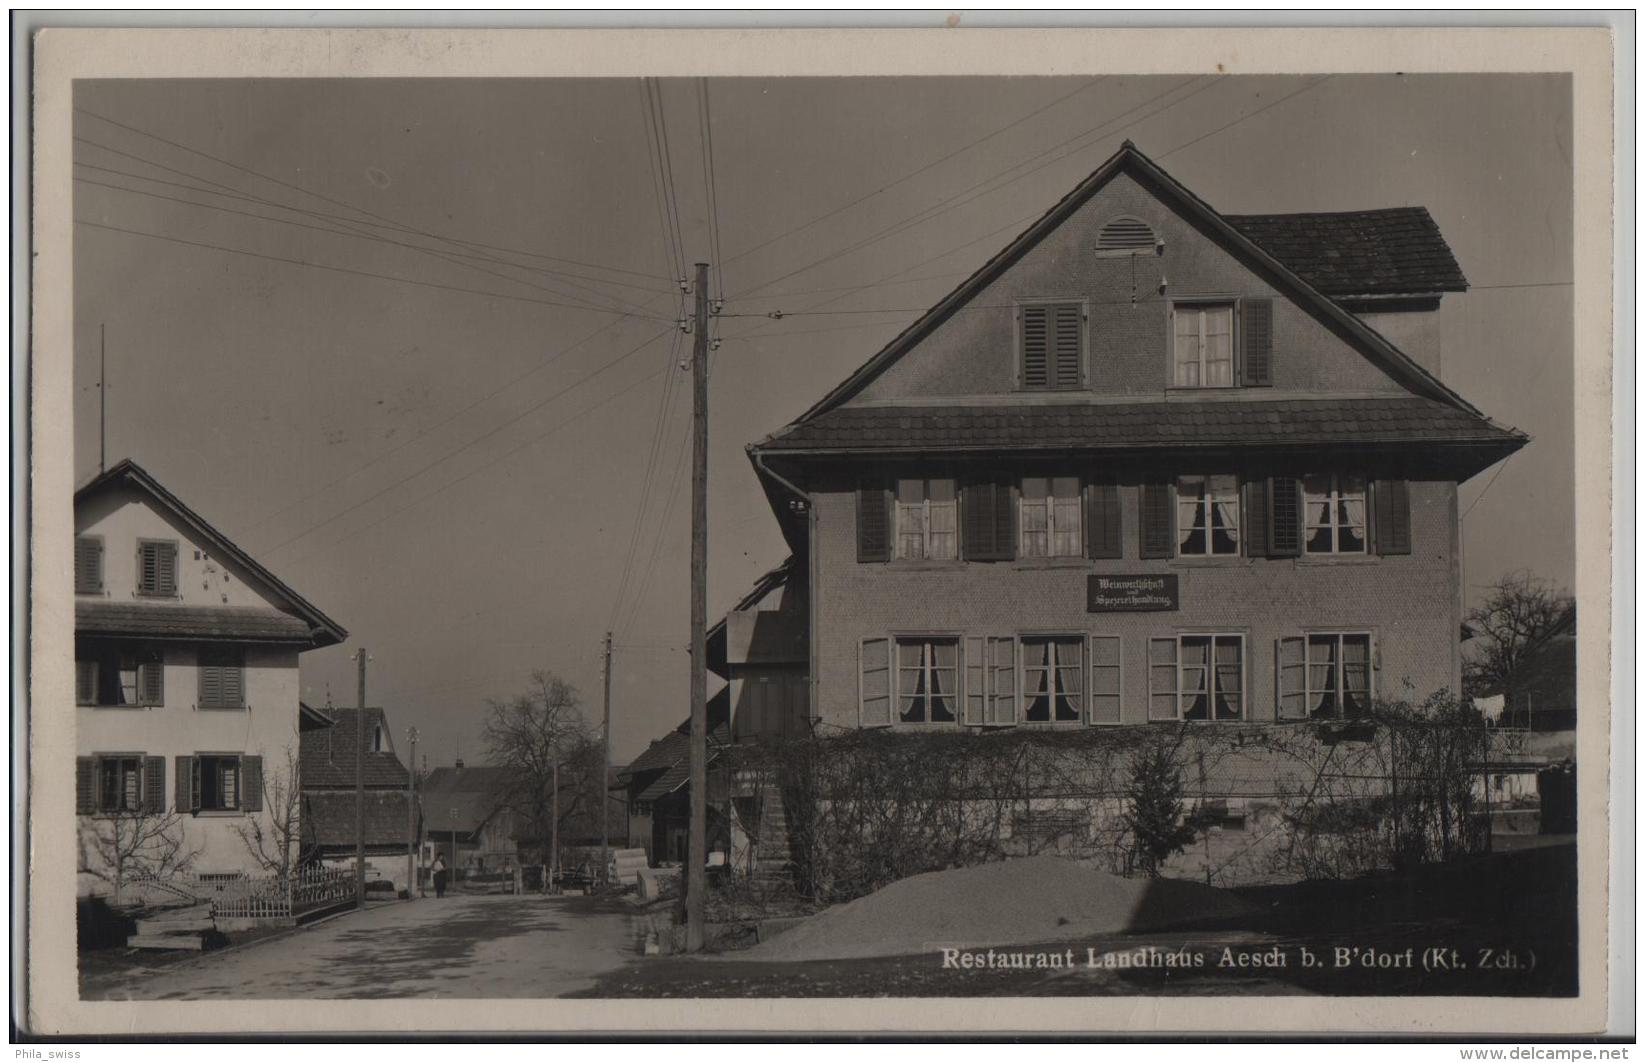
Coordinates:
(411,343)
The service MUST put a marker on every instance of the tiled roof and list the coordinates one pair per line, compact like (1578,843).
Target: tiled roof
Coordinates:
(157,621)
(321,630)
(1398,250)
(464,811)
(328,754)
(666,783)
(671,755)
(1143,424)
(328,818)
(471,778)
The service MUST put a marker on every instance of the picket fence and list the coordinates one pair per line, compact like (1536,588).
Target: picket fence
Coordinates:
(275,897)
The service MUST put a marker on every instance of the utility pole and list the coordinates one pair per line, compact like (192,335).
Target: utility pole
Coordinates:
(102,397)
(360,787)
(554,822)
(697,851)
(605,770)
(411,817)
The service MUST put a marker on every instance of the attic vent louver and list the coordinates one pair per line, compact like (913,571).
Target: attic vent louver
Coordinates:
(1126,235)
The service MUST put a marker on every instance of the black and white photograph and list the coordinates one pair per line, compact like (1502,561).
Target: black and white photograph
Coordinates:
(718,538)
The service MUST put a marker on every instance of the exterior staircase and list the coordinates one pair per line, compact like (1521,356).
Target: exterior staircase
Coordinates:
(179,928)
(773,858)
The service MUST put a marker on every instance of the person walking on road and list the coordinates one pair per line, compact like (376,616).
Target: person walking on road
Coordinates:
(439,876)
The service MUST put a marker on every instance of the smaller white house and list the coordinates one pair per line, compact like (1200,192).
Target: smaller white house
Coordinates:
(186,654)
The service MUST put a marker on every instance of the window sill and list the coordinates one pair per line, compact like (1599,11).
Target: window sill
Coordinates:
(148,596)
(1208,561)
(1337,559)
(218,813)
(123,708)
(1030,563)
(101,593)
(910,564)
(1185,391)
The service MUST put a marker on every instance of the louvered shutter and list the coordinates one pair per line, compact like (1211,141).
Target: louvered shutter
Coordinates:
(1002,698)
(1067,346)
(251,784)
(85,681)
(1157,534)
(151,679)
(167,567)
(988,531)
(1284,517)
(85,785)
(88,565)
(1255,524)
(1290,678)
(234,682)
(211,680)
(1391,516)
(874,682)
(1257,325)
(1036,344)
(186,784)
(873,522)
(154,785)
(1102,521)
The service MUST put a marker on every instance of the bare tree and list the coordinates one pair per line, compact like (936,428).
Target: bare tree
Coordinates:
(531,733)
(123,848)
(276,843)
(1519,610)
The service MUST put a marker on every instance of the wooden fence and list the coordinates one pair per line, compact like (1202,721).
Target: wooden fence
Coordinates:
(276,898)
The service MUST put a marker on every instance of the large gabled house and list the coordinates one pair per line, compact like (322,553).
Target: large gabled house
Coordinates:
(186,668)
(1149,464)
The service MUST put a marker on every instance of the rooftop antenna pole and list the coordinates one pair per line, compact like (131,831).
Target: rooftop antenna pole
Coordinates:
(102,397)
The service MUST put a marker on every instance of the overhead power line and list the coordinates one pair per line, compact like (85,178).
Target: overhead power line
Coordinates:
(471,443)
(338,202)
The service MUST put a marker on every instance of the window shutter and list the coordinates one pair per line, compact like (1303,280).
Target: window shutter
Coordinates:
(88,565)
(1106,683)
(1067,347)
(167,567)
(1391,529)
(1102,521)
(1157,534)
(1036,371)
(1002,705)
(251,784)
(151,679)
(1257,322)
(976,680)
(873,522)
(874,682)
(989,526)
(1255,524)
(1290,676)
(85,785)
(234,683)
(154,785)
(1284,517)
(85,681)
(1162,679)
(211,681)
(186,784)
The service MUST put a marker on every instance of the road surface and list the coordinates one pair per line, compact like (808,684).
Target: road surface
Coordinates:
(459,946)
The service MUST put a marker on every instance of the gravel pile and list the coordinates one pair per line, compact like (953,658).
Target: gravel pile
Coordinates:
(1012,902)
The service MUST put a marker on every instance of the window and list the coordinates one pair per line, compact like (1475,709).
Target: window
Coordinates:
(88,564)
(1207,516)
(927,680)
(1050,517)
(219,779)
(1196,677)
(156,567)
(1126,235)
(377,738)
(119,784)
(1334,511)
(1051,671)
(222,678)
(927,516)
(108,675)
(1053,346)
(1338,676)
(1203,353)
